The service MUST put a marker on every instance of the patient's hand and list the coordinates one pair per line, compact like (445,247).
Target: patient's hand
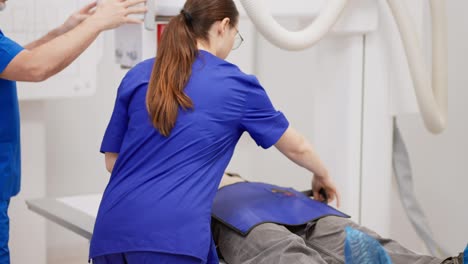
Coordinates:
(326,183)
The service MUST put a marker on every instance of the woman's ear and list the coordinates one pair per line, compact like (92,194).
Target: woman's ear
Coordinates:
(224,25)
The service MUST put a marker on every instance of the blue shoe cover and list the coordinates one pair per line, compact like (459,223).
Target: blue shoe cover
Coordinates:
(360,248)
(465,256)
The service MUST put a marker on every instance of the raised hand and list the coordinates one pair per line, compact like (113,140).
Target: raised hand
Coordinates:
(79,16)
(110,14)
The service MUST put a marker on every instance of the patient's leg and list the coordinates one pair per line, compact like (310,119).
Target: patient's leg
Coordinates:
(329,233)
(265,244)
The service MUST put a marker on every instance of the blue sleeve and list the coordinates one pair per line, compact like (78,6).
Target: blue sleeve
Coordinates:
(118,123)
(8,51)
(264,123)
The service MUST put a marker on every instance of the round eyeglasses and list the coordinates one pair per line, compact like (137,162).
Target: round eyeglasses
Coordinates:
(237,40)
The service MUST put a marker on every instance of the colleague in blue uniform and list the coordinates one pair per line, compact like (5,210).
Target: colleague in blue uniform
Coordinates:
(176,122)
(36,62)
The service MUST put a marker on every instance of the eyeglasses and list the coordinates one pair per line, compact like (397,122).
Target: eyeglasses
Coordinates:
(237,40)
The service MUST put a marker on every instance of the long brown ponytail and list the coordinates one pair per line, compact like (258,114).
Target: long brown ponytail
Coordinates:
(176,53)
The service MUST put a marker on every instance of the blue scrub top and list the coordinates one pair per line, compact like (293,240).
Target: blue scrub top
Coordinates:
(10,162)
(161,190)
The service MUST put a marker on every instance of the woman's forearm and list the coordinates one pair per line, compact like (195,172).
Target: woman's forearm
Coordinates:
(294,146)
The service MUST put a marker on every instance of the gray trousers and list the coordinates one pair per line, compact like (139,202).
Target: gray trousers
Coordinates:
(318,242)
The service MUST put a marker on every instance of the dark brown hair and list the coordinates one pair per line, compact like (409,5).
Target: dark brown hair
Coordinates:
(176,53)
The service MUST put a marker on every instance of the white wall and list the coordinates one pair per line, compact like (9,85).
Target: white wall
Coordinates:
(75,128)
(440,163)
(27,229)
(305,85)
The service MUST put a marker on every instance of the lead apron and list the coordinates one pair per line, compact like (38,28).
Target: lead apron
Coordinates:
(245,205)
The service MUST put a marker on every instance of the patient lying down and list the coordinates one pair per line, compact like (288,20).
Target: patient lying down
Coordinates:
(320,241)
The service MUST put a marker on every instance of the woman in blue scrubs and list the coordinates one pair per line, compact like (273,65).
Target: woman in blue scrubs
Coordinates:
(176,122)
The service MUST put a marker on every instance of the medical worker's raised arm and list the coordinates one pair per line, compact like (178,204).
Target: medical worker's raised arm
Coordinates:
(48,59)
(296,147)
(74,20)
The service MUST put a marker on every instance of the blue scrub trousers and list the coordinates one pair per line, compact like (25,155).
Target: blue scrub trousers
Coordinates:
(146,258)
(4,232)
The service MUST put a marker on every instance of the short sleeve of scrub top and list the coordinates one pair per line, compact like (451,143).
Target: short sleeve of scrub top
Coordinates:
(261,120)
(8,51)
(118,123)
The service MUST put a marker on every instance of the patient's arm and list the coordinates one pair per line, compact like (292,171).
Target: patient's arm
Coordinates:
(110,160)
(296,147)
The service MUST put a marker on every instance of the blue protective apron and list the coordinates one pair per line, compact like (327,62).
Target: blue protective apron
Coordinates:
(245,205)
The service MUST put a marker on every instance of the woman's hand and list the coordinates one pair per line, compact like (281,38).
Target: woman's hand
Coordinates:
(326,183)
